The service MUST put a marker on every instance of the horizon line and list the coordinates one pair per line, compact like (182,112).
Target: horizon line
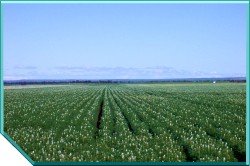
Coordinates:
(72,79)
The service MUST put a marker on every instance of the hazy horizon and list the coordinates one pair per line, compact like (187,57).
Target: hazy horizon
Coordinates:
(124,41)
(186,78)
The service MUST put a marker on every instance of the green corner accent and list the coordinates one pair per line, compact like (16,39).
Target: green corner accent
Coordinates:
(18,147)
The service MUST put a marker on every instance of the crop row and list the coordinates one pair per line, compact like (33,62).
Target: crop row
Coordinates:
(133,122)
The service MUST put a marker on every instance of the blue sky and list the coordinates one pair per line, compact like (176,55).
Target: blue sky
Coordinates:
(100,41)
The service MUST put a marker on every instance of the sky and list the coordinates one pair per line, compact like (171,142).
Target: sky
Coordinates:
(124,41)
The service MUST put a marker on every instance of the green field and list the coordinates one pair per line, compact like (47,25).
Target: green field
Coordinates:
(129,122)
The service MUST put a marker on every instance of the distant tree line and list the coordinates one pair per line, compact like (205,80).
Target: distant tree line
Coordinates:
(44,82)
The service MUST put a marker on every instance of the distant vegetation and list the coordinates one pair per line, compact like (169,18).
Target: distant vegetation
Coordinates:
(129,122)
(29,82)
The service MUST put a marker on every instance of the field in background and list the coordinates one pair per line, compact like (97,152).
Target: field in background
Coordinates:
(129,122)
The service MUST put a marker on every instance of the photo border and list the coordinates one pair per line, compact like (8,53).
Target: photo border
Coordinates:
(122,2)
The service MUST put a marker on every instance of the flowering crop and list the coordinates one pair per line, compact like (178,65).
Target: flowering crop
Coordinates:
(129,122)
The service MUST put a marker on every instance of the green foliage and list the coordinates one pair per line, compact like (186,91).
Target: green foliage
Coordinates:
(129,122)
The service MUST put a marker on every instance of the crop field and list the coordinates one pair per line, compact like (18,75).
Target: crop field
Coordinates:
(162,122)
